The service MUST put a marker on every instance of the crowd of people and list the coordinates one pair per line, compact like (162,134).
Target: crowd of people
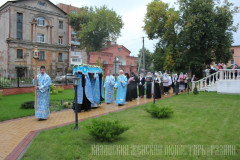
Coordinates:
(154,85)
(129,87)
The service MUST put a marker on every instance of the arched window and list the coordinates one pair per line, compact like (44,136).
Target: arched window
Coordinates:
(41,21)
(105,62)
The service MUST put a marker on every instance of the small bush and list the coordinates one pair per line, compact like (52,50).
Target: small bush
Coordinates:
(5,83)
(195,91)
(159,112)
(105,130)
(28,105)
(1,95)
(55,92)
(52,87)
(60,89)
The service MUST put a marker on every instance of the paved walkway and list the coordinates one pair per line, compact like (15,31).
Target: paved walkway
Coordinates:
(15,135)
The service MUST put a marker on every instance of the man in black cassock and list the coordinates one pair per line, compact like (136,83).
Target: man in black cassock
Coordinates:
(149,81)
(134,85)
(141,85)
(129,89)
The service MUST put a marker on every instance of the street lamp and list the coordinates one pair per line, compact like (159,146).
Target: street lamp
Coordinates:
(116,61)
(75,85)
(154,77)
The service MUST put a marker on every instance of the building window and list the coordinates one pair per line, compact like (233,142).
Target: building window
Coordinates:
(76,60)
(41,3)
(41,21)
(19,26)
(60,24)
(60,57)
(60,40)
(119,49)
(42,55)
(40,38)
(232,62)
(232,51)
(19,54)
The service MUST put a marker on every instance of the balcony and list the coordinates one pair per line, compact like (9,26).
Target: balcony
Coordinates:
(75,43)
(78,54)
(76,61)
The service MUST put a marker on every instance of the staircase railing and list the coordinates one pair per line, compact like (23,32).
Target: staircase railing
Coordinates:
(223,74)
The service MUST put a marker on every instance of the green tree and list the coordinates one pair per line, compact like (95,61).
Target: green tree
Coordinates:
(195,36)
(96,26)
(206,34)
(161,22)
(148,59)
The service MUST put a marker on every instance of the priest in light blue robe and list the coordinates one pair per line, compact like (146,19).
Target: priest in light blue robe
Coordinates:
(109,88)
(43,94)
(121,86)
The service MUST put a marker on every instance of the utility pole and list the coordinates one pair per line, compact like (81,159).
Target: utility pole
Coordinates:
(143,52)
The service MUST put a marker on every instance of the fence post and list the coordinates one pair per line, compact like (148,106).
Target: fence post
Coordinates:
(18,77)
(193,85)
(221,74)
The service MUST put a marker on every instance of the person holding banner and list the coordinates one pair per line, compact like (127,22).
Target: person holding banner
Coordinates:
(43,94)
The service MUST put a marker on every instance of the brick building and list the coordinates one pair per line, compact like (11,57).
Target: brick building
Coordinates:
(77,56)
(235,50)
(114,58)
(27,24)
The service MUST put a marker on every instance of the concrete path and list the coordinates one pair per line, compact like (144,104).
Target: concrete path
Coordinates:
(15,135)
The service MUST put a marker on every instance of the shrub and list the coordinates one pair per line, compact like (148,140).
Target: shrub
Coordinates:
(159,112)
(60,89)
(105,130)
(1,95)
(52,87)
(55,92)
(5,83)
(28,105)
(195,91)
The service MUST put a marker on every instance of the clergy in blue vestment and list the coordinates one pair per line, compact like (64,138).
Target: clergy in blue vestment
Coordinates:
(109,88)
(43,94)
(121,86)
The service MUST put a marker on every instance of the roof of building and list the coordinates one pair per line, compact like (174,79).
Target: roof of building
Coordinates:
(119,46)
(15,1)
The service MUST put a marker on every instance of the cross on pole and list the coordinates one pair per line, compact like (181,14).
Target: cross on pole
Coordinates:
(35,57)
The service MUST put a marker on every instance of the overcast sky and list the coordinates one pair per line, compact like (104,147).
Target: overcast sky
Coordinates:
(132,12)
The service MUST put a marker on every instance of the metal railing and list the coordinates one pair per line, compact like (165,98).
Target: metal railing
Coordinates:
(23,78)
(223,74)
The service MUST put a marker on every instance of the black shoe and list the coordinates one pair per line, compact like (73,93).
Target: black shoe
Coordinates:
(40,119)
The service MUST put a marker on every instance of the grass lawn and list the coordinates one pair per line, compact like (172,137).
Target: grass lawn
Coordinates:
(10,106)
(205,119)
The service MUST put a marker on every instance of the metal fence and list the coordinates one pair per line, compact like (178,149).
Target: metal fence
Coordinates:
(22,77)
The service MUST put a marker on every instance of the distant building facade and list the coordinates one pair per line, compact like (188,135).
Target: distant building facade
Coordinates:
(77,56)
(113,58)
(235,50)
(25,24)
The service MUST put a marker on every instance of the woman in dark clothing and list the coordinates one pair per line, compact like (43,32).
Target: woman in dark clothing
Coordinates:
(129,89)
(149,80)
(157,82)
(175,84)
(141,86)
(134,83)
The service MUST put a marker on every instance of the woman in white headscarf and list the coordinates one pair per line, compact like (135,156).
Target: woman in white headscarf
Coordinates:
(181,79)
(165,83)
(175,84)
(157,82)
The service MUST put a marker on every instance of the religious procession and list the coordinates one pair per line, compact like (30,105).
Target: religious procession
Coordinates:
(91,85)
